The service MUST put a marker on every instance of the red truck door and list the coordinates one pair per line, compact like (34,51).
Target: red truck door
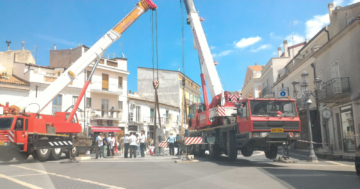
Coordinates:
(20,130)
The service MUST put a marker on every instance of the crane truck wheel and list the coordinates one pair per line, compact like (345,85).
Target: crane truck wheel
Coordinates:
(55,153)
(6,157)
(231,146)
(272,152)
(22,156)
(214,151)
(43,154)
(73,152)
(246,153)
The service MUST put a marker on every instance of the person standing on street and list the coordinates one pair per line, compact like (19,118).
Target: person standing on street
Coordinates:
(112,145)
(133,145)
(178,141)
(99,141)
(142,143)
(108,145)
(105,141)
(126,145)
(171,141)
(138,144)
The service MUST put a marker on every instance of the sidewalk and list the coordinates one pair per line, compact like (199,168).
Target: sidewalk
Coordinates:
(337,155)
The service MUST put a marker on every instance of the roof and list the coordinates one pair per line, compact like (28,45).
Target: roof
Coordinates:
(294,46)
(174,71)
(13,80)
(133,97)
(256,68)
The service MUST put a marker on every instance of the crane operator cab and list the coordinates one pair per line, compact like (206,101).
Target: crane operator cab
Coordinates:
(194,109)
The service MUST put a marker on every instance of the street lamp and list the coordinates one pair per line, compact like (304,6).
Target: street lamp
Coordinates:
(307,93)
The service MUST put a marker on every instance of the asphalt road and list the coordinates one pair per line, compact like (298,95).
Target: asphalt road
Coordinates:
(162,172)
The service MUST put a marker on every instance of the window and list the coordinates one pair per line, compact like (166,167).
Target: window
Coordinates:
(5,123)
(243,110)
(133,128)
(88,102)
(120,82)
(120,105)
(26,124)
(56,104)
(105,82)
(88,74)
(167,114)
(138,113)
(74,99)
(104,104)
(19,125)
(272,108)
(74,120)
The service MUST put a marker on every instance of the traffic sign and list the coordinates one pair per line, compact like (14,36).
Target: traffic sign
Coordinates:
(283,92)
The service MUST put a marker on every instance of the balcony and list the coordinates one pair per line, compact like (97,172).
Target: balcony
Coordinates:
(335,90)
(103,88)
(151,120)
(266,93)
(106,115)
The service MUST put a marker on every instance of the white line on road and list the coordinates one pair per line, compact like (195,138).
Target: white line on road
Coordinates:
(28,175)
(341,164)
(19,182)
(67,177)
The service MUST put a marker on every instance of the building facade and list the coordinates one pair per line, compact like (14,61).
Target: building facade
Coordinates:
(252,85)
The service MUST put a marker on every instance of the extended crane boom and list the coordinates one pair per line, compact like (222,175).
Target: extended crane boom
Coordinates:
(96,51)
(201,44)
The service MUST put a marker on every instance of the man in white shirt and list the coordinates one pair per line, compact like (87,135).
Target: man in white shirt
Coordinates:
(112,144)
(142,143)
(99,141)
(126,145)
(133,145)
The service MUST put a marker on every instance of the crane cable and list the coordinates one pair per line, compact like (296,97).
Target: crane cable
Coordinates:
(155,56)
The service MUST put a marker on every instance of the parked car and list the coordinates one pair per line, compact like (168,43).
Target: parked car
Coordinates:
(357,160)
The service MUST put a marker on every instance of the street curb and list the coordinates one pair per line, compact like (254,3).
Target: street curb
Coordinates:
(186,161)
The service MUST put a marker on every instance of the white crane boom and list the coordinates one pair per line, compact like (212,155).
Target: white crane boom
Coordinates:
(201,44)
(94,52)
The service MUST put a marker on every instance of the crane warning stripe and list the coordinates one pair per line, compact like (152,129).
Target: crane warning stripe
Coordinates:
(193,140)
(163,144)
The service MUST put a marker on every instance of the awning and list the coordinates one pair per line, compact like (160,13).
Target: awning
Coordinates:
(105,129)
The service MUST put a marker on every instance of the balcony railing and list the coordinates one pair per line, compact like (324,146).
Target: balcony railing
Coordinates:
(106,115)
(266,92)
(335,90)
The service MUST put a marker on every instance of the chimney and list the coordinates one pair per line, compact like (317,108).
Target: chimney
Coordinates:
(330,8)
(255,64)
(179,68)
(54,46)
(129,91)
(306,40)
(279,51)
(8,45)
(286,53)
(23,44)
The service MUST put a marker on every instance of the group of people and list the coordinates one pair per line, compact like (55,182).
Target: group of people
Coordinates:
(105,146)
(174,142)
(133,142)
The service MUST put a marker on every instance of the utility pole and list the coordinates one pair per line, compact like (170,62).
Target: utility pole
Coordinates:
(292,28)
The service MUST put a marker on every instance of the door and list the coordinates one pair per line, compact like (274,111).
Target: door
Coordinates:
(20,130)
(348,130)
(105,82)
(243,117)
(104,107)
(335,74)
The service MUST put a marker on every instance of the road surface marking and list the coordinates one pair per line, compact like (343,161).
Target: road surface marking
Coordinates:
(28,175)
(336,163)
(67,177)
(19,182)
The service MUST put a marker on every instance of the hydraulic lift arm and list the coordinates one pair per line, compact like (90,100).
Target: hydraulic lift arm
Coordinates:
(207,63)
(95,52)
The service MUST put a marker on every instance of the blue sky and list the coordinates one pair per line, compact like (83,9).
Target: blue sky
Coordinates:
(240,32)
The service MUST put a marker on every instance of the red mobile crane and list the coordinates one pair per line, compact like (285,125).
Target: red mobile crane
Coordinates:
(230,123)
(47,136)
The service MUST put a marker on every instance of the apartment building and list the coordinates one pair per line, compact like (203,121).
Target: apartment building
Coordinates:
(252,85)
(142,116)
(170,90)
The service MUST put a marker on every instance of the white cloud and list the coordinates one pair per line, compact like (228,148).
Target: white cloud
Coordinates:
(212,47)
(354,1)
(262,47)
(338,2)
(297,39)
(315,24)
(57,40)
(245,42)
(274,36)
(223,53)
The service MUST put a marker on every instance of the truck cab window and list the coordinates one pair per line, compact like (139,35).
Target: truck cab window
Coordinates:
(19,125)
